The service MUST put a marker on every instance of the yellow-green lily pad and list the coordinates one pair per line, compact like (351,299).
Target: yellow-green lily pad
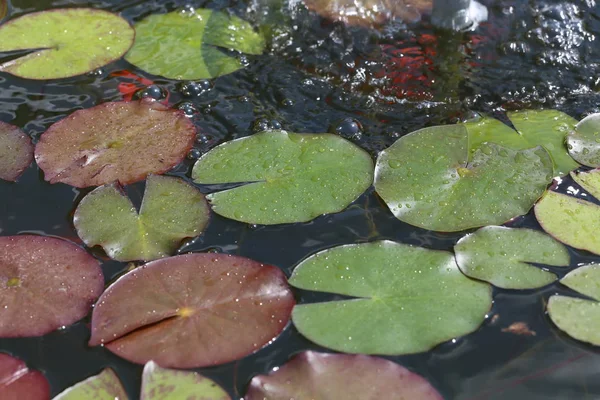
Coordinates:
(104,386)
(64,42)
(189,44)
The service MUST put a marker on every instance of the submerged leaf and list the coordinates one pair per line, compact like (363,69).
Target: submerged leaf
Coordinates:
(168,384)
(571,220)
(64,42)
(409,299)
(116,141)
(186,44)
(288,177)
(432,179)
(17,382)
(45,284)
(192,310)
(16,152)
(500,256)
(104,386)
(584,141)
(171,211)
(311,375)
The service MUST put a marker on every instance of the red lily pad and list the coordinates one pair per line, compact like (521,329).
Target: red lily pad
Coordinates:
(45,283)
(16,152)
(115,141)
(17,382)
(192,310)
(312,375)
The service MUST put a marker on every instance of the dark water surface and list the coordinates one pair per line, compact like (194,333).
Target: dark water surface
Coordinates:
(316,76)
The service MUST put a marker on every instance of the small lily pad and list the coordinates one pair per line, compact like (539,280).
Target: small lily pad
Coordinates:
(116,141)
(571,220)
(500,256)
(171,211)
(16,152)
(408,299)
(584,141)
(104,386)
(311,375)
(189,44)
(579,318)
(168,384)
(64,42)
(192,310)
(432,179)
(589,181)
(287,177)
(17,382)
(45,284)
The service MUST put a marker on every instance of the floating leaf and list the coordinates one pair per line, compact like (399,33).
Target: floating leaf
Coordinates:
(571,220)
(409,299)
(17,382)
(289,177)
(16,152)
(186,44)
(171,211)
(428,179)
(312,375)
(167,384)
(104,386)
(192,310)
(584,141)
(500,256)
(579,318)
(64,42)
(45,284)
(118,141)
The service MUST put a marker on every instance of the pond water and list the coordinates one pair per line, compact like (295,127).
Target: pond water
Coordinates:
(323,76)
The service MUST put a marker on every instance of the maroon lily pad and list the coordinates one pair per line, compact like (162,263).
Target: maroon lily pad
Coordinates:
(312,375)
(45,283)
(116,141)
(192,310)
(16,152)
(17,382)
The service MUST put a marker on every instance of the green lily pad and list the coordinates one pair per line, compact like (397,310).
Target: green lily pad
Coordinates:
(311,375)
(16,152)
(579,318)
(590,181)
(67,42)
(409,299)
(189,44)
(169,384)
(288,177)
(584,141)
(500,256)
(432,179)
(571,220)
(104,386)
(171,211)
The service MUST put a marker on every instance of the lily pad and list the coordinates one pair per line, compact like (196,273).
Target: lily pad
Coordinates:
(311,375)
(167,384)
(171,211)
(589,181)
(17,382)
(571,220)
(104,386)
(222,307)
(584,141)
(287,177)
(64,42)
(432,179)
(500,256)
(408,299)
(579,318)
(189,44)
(117,141)
(45,284)
(16,152)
